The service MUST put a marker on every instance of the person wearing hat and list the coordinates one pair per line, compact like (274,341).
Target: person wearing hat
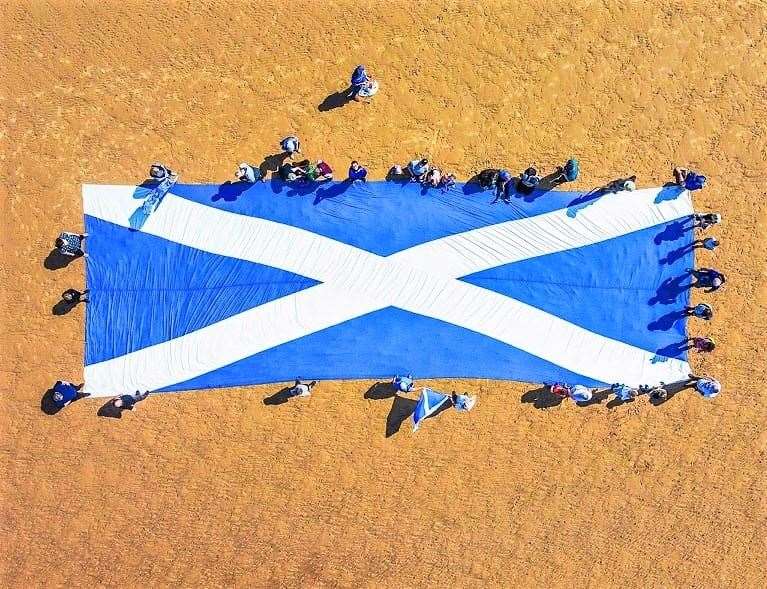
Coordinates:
(701,311)
(64,393)
(707,278)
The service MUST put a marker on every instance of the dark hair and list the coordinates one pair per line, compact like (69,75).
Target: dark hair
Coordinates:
(424,161)
(355,162)
(59,242)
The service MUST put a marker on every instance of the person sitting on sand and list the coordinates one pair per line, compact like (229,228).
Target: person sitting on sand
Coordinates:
(417,170)
(319,172)
(247,173)
(357,172)
(403,384)
(560,389)
(707,278)
(302,389)
(487,177)
(71,244)
(463,402)
(447,181)
(433,177)
(528,180)
(289,172)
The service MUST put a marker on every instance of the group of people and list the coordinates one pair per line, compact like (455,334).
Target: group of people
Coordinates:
(708,387)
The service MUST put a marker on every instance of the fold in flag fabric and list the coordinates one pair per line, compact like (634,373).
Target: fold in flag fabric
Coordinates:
(238,284)
(429,403)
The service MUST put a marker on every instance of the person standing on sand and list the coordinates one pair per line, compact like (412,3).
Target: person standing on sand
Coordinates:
(701,311)
(403,384)
(707,278)
(71,244)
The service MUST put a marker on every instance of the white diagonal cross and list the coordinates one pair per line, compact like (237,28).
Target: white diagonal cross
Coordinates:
(422,279)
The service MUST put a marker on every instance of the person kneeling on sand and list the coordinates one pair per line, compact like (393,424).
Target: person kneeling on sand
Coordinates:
(302,389)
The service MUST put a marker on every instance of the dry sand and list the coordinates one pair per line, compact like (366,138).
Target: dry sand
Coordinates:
(218,489)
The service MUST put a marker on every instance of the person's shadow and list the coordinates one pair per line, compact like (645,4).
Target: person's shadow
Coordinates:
(666,322)
(56,260)
(334,100)
(334,190)
(670,289)
(674,350)
(671,232)
(401,409)
(272,163)
(584,201)
(542,398)
(230,191)
(280,397)
(380,391)
(48,406)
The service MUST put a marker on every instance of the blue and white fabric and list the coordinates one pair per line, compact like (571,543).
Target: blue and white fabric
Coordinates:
(227,285)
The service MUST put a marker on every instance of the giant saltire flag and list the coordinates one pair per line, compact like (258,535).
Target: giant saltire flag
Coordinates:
(237,284)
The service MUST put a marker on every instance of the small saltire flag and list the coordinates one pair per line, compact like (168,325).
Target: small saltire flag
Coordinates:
(428,404)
